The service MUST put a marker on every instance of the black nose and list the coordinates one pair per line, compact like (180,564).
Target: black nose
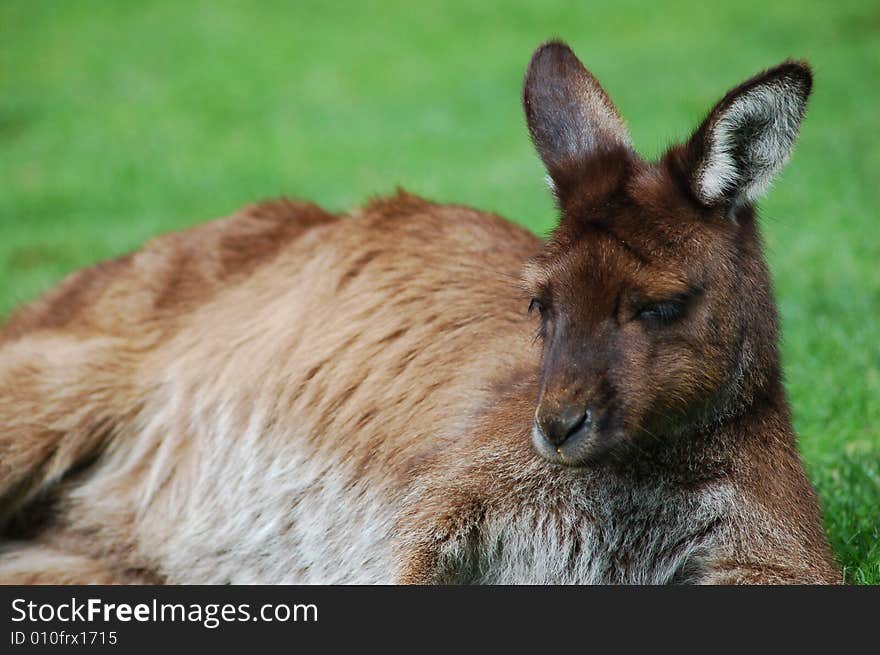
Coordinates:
(559,426)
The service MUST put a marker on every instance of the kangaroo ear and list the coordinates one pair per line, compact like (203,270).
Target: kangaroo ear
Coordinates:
(569,115)
(748,136)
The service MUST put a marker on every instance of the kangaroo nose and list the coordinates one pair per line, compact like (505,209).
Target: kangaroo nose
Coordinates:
(559,426)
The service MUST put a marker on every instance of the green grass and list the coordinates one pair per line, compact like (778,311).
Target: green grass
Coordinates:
(121,120)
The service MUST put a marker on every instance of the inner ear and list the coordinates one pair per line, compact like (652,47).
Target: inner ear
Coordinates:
(570,117)
(748,137)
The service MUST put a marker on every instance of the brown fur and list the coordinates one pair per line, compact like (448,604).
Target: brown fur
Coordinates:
(394,344)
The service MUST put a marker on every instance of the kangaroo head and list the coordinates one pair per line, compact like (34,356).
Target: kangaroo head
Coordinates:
(656,312)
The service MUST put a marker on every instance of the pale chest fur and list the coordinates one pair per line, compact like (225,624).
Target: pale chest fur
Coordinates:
(260,505)
(603,536)
(252,513)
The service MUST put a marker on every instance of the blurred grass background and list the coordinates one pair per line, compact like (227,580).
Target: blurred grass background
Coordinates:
(121,120)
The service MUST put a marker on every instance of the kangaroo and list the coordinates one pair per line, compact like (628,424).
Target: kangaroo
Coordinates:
(424,393)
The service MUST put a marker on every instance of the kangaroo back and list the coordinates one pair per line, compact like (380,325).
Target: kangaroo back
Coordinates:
(69,359)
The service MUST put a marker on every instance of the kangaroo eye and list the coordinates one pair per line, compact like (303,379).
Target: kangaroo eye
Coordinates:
(662,312)
(536,304)
(669,310)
